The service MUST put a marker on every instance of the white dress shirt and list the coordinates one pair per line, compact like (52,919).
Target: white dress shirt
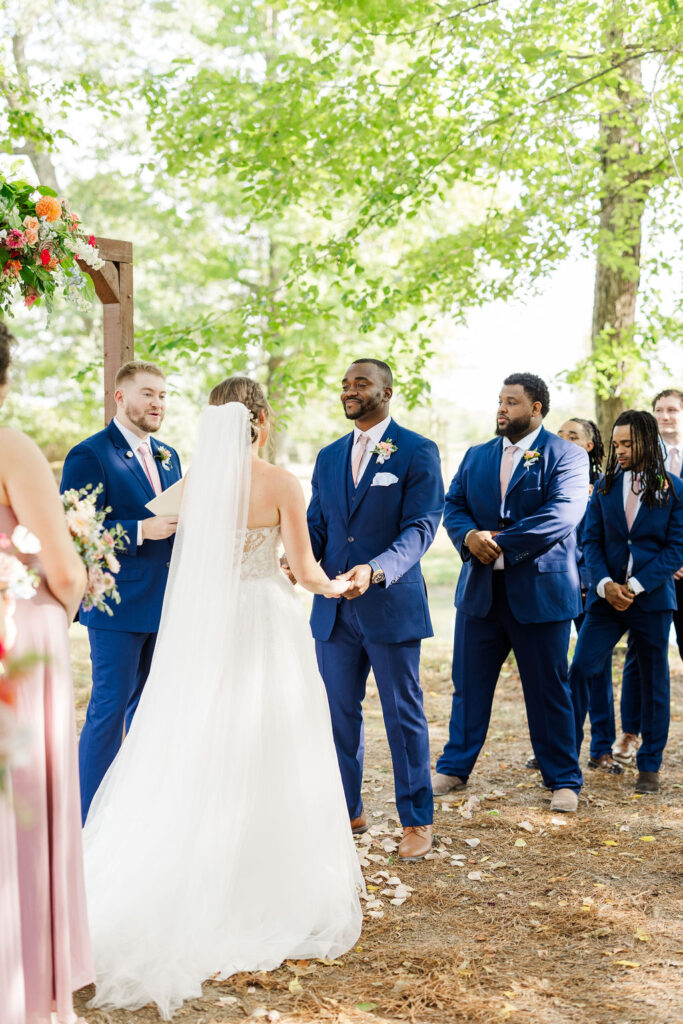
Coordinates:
(636,587)
(134,443)
(522,445)
(375,434)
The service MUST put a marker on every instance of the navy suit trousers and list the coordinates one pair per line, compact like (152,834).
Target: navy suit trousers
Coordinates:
(345,661)
(480,648)
(600,707)
(603,627)
(120,666)
(630,683)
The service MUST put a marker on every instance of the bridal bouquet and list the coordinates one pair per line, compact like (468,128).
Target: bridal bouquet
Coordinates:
(95,544)
(40,243)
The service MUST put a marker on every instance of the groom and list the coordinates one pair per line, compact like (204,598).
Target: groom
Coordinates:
(377,502)
(132,467)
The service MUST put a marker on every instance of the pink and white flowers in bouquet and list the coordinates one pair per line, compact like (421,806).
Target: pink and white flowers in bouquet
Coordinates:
(96,545)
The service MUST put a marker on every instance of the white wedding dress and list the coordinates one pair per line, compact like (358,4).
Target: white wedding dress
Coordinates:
(219,840)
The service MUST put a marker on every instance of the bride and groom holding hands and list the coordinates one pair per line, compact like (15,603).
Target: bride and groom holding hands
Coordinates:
(219,838)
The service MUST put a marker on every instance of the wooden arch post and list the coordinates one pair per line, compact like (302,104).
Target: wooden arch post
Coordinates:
(114,287)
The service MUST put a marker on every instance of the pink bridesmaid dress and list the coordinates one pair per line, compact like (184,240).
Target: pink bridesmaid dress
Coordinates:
(45,950)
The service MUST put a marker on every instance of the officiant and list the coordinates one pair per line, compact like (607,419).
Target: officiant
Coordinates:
(132,467)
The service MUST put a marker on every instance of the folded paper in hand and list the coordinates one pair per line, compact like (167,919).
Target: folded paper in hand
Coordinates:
(168,502)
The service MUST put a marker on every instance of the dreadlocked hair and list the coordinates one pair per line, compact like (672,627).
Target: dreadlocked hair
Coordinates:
(647,452)
(596,455)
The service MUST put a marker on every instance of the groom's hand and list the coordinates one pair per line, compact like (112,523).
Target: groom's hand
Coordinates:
(159,527)
(359,577)
(284,565)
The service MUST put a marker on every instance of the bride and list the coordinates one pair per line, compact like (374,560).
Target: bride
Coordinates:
(219,840)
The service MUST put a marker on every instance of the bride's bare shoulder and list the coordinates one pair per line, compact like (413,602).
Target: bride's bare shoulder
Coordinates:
(278,479)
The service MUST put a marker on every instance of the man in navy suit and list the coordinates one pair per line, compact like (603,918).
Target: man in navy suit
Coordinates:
(667,409)
(512,512)
(132,466)
(376,505)
(633,544)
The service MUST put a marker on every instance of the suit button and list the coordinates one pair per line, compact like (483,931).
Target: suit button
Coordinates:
(629,542)
(350,540)
(168,565)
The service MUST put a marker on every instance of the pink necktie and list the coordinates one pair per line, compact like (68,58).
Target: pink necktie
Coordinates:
(150,467)
(506,468)
(361,445)
(674,462)
(632,502)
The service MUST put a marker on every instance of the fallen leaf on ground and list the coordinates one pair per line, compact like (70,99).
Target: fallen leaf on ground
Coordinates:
(647,839)
(520,842)
(295,986)
(526,825)
(366,1007)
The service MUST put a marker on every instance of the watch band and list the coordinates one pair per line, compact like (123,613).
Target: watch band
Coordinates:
(377,572)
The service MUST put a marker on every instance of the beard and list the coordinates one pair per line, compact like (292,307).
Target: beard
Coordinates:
(515,428)
(363,407)
(143,423)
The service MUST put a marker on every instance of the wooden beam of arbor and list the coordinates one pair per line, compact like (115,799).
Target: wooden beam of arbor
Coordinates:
(114,287)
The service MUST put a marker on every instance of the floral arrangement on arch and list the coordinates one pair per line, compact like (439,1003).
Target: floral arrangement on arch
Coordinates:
(96,545)
(40,243)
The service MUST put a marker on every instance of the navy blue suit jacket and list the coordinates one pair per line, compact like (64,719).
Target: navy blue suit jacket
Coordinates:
(392,524)
(543,505)
(106,458)
(655,542)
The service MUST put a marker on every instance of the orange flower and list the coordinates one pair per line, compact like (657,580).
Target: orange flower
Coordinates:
(49,208)
(12,268)
(31,230)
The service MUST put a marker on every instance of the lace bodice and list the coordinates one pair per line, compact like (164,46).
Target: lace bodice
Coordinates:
(260,556)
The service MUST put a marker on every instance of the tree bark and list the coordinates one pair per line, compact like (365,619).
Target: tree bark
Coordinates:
(617,275)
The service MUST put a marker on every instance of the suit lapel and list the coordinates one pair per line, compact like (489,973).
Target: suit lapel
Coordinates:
(343,471)
(495,454)
(521,467)
(359,492)
(615,505)
(130,461)
(166,476)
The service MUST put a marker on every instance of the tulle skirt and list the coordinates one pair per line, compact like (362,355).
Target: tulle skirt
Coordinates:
(219,840)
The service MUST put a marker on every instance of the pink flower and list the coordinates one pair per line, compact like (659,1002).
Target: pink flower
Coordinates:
(15,239)
(96,581)
(92,240)
(31,230)
(5,542)
(30,298)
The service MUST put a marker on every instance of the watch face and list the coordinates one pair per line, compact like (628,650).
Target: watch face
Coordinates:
(378,577)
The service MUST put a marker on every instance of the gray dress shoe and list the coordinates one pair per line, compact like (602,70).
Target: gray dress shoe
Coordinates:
(442,784)
(565,801)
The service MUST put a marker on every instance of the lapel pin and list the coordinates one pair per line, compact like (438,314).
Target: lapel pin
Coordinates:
(129,455)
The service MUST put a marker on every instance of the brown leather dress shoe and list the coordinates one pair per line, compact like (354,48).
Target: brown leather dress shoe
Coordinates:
(625,748)
(532,762)
(359,825)
(605,763)
(416,842)
(647,782)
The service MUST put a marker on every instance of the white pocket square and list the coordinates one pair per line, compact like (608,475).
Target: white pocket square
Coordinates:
(383,480)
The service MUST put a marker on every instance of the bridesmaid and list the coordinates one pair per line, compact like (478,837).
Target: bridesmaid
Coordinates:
(44,942)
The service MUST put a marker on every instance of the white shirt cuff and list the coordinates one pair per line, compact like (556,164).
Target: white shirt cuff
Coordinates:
(139,532)
(600,589)
(635,586)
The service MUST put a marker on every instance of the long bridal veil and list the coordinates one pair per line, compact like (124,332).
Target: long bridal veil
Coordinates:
(219,839)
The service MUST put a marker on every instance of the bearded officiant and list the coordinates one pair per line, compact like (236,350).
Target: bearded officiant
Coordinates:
(132,467)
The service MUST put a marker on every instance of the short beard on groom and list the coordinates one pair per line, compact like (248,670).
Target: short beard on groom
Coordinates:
(376,505)
(511,513)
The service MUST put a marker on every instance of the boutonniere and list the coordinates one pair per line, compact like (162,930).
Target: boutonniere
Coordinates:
(531,457)
(164,457)
(384,450)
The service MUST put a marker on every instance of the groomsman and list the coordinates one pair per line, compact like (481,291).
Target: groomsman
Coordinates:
(511,512)
(667,409)
(633,543)
(376,505)
(132,466)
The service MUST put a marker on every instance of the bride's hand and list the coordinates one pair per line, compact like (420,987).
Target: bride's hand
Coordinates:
(338,587)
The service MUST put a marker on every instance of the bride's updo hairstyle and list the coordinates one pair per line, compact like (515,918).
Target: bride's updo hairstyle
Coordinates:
(246,391)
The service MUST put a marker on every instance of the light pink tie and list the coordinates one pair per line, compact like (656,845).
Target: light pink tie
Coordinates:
(631,509)
(150,467)
(361,445)
(506,468)
(674,462)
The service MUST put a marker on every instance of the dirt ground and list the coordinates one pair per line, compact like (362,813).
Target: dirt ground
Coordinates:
(518,915)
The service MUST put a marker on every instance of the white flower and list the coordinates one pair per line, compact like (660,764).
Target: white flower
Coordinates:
(25,541)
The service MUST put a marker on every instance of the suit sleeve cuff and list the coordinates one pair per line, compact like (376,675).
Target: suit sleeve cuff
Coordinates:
(635,586)
(600,589)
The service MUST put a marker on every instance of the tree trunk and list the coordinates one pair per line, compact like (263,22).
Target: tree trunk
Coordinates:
(617,273)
